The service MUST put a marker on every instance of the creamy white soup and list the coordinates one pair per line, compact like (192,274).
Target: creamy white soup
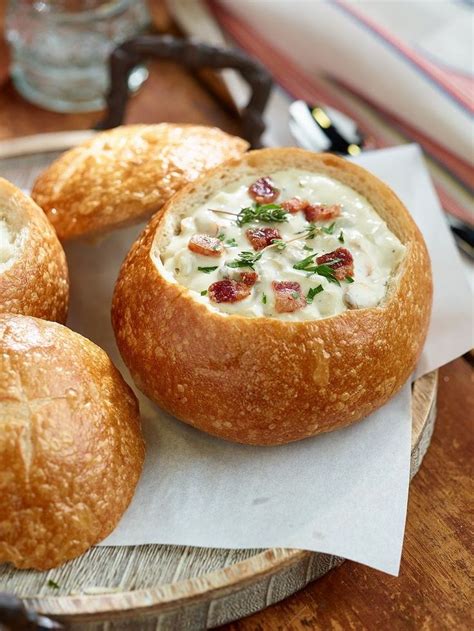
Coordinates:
(292,245)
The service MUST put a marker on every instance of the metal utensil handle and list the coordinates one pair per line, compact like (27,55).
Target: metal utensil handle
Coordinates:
(192,55)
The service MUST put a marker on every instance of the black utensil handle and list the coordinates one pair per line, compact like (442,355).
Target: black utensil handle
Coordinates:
(193,55)
(14,616)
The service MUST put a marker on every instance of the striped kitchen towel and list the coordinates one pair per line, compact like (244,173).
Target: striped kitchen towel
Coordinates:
(402,70)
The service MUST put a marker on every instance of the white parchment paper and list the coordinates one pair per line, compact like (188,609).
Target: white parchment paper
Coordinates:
(343,493)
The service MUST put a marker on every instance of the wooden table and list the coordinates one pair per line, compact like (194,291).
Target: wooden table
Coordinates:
(433,590)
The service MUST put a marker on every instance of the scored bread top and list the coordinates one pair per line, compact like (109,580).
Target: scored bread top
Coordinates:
(123,175)
(70,443)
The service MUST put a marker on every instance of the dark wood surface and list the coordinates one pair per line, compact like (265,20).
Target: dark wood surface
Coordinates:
(435,587)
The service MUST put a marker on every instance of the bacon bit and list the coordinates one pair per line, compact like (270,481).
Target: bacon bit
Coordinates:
(263,191)
(288,296)
(249,278)
(294,205)
(342,262)
(321,212)
(228,290)
(205,245)
(261,237)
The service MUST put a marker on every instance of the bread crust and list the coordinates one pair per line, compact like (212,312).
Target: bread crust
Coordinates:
(37,282)
(123,175)
(260,380)
(71,449)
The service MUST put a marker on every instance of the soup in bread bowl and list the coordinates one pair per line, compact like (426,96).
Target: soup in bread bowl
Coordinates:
(282,295)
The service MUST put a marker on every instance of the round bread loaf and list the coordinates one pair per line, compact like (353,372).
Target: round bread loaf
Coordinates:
(71,449)
(123,175)
(269,380)
(33,269)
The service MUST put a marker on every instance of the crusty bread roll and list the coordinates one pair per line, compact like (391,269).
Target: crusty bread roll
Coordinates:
(123,175)
(71,449)
(33,269)
(265,380)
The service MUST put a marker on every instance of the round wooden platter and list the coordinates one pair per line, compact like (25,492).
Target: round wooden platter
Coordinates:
(175,587)
(185,588)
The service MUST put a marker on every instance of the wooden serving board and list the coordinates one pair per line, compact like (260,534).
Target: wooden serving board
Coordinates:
(165,587)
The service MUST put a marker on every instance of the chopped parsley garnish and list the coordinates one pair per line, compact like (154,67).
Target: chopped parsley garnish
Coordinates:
(341,237)
(52,584)
(221,236)
(207,270)
(204,292)
(231,242)
(246,259)
(349,279)
(326,271)
(307,248)
(329,229)
(307,265)
(267,213)
(305,262)
(279,244)
(314,291)
(264,299)
(311,232)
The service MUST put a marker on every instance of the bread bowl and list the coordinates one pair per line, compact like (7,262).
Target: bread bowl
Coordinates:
(301,349)
(71,449)
(125,174)
(33,269)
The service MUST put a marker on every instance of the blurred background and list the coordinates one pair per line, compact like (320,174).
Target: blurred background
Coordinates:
(348,76)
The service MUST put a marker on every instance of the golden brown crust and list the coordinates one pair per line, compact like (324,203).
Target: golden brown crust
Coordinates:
(35,282)
(71,450)
(261,380)
(123,175)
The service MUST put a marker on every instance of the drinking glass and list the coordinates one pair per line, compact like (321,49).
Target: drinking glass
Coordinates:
(60,48)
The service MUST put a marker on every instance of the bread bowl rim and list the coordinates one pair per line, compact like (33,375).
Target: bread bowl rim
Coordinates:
(33,234)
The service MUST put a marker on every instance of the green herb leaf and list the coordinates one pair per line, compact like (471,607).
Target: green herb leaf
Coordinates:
(245,259)
(231,242)
(204,292)
(307,248)
(264,299)
(314,291)
(327,272)
(307,265)
(349,279)
(268,213)
(279,244)
(52,584)
(305,262)
(221,236)
(341,237)
(311,232)
(329,229)
(207,270)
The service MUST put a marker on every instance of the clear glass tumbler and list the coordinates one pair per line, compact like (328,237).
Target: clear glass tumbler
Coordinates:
(60,48)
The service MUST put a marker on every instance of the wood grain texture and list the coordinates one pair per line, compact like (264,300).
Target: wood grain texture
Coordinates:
(435,588)
(187,588)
